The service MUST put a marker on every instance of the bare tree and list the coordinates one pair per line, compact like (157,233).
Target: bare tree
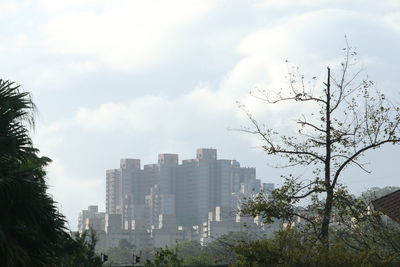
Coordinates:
(349,118)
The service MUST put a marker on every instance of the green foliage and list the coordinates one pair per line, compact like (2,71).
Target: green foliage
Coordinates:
(359,237)
(268,251)
(165,257)
(190,253)
(363,239)
(120,254)
(79,250)
(32,231)
(280,205)
(219,251)
(16,113)
(222,248)
(189,249)
(199,260)
(31,228)
(369,232)
(292,248)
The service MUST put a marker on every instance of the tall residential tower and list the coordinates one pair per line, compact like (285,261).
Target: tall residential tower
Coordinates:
(186,192)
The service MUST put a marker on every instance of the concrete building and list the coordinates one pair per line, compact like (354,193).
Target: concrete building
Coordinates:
(167,233)
(223,221)
(91,218)
(189,190)
(113,190)
(95,220)
(165,202)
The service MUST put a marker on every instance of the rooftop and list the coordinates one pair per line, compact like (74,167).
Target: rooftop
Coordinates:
(389,205)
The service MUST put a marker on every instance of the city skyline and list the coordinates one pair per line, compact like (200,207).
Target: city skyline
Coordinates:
(159,204)
(134,78)
(154,122)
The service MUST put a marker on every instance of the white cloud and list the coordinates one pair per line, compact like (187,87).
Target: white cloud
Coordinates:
(369,6)
(8,7)
(139,115)
(62,6)
(50,137)
(312,40)
(393,20)
(150,123)
(289,3)
(149,114)
(128,35)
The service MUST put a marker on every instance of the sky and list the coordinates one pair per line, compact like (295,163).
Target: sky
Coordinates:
(131,79)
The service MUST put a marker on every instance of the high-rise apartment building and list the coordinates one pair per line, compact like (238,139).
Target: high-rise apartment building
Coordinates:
(187,191)
(113,190)
(167,202)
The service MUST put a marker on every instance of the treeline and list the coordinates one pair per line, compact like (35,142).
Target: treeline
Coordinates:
(287,248)
(370,239)
(218,251)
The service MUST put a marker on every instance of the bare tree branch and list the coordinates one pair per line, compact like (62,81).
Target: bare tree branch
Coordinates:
(354,156)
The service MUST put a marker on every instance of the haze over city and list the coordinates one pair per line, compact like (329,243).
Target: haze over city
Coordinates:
(132,79)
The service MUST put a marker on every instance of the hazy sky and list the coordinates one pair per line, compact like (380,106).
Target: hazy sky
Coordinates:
(115,79)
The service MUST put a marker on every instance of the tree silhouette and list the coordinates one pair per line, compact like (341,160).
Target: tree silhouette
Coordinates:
(349,117)
(32,231)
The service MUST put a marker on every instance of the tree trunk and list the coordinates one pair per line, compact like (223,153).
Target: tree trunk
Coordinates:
(329,191)
(326,217)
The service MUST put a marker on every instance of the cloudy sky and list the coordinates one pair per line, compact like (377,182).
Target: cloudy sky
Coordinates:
(115,79)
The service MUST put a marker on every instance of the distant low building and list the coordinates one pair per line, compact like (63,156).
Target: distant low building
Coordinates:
(93,219)
(223,222)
